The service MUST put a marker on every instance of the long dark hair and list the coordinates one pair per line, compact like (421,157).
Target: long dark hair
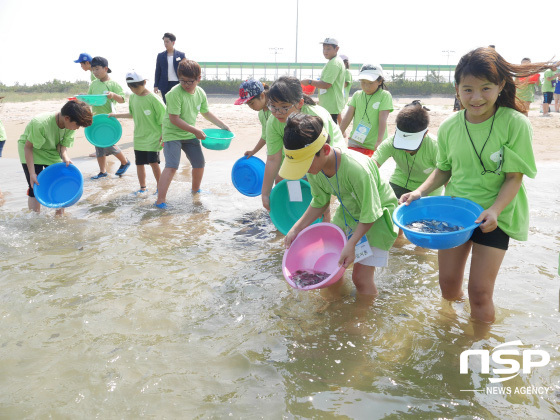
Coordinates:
(288,89)
(486,63)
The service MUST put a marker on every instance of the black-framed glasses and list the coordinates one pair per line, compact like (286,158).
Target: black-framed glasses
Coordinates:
(187,82)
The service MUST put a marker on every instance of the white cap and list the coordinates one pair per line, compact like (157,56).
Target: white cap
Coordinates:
(133,77)
(370,72)
(408,141)
(330,41)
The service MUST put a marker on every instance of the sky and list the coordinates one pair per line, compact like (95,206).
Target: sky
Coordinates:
(39,40)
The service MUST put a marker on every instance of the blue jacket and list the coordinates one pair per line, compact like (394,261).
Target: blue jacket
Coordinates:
(160,80)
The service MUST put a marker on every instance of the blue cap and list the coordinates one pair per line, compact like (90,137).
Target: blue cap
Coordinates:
(248,90)
(83,57)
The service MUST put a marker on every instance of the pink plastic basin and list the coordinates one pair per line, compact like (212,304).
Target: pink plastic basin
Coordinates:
(317,247)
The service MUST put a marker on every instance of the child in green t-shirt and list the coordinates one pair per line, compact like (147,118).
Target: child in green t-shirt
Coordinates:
(331,83)
(347,79)
(254,93)
(184,102)
(484,151)
(45,141)
(366,200)
(147,110)
(369,108)
(115,93)
(412,148)
(85,63)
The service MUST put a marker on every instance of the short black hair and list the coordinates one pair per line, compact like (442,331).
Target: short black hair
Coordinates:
(170,36)
(301,130)
(136,84)
(413,118)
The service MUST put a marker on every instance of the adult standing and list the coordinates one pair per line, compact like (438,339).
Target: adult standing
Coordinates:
(166,66)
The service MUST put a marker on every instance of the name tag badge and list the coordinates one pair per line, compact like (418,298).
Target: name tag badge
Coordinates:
(363,250)
(361,132)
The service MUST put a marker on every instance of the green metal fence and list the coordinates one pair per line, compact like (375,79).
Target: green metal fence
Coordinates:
(237,70)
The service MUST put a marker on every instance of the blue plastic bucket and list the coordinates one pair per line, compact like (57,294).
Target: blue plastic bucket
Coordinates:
(453,210)
(284,212)
(247,176)
(217,139)
(59,185)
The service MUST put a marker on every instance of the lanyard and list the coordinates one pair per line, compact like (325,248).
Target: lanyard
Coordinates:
(484,171)
(409,168)
(338,193)
(367,103)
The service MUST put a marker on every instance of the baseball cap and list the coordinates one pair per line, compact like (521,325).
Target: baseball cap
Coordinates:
(370,72)
(100,61)
(408,141)
(298,162)
(133,77)
(83,57)
(330,41)
(248,90)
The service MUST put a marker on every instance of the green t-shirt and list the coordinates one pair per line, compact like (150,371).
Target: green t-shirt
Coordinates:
(411,170)
(147,112)
(367,108)
(98,87)
(347,78)
(45,136)
(547,84)
(263,118)
(3,136)
(508,149)
(332,99)
(92,77)
(275,129)
(364,194)
(187,106)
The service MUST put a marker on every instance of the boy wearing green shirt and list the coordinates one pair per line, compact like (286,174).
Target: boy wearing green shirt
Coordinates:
(548,91)
(184,102)
(85,63)
(115,93)
(412,148)
(45,141)
(147,110)
(3,137)
(331,83)
(366,201)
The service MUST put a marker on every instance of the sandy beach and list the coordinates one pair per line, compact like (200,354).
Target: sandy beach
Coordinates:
(245,124)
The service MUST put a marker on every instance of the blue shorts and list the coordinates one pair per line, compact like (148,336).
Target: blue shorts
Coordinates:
(547,97)
(192,149)
(1,147)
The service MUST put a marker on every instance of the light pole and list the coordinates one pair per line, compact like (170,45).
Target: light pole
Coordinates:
(276,51)
(448,53)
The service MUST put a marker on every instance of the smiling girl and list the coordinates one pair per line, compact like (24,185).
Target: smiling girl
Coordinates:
(484,151)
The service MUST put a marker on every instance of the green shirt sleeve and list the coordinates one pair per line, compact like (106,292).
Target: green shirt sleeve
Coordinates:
(274,136)
(384,151)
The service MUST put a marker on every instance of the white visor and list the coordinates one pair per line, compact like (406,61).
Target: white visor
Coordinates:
(408,141)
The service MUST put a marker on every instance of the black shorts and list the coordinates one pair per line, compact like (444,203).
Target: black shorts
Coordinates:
(495,239)
(399,190)
(335,118)
(145,158)
(38,169)
(547,97)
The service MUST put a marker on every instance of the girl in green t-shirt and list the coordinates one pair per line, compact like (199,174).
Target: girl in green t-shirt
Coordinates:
(484,151)
(254,93)
(369,109)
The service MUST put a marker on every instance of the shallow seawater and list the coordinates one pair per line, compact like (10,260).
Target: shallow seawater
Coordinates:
(120,310)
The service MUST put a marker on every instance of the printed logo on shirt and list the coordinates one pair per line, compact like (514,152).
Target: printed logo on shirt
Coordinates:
(147,112)
(428,170)
(198,107)
(376,105)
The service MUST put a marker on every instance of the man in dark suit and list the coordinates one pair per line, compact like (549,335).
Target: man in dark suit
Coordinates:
(166,66)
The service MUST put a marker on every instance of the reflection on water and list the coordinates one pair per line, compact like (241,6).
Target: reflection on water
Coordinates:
(122,310)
